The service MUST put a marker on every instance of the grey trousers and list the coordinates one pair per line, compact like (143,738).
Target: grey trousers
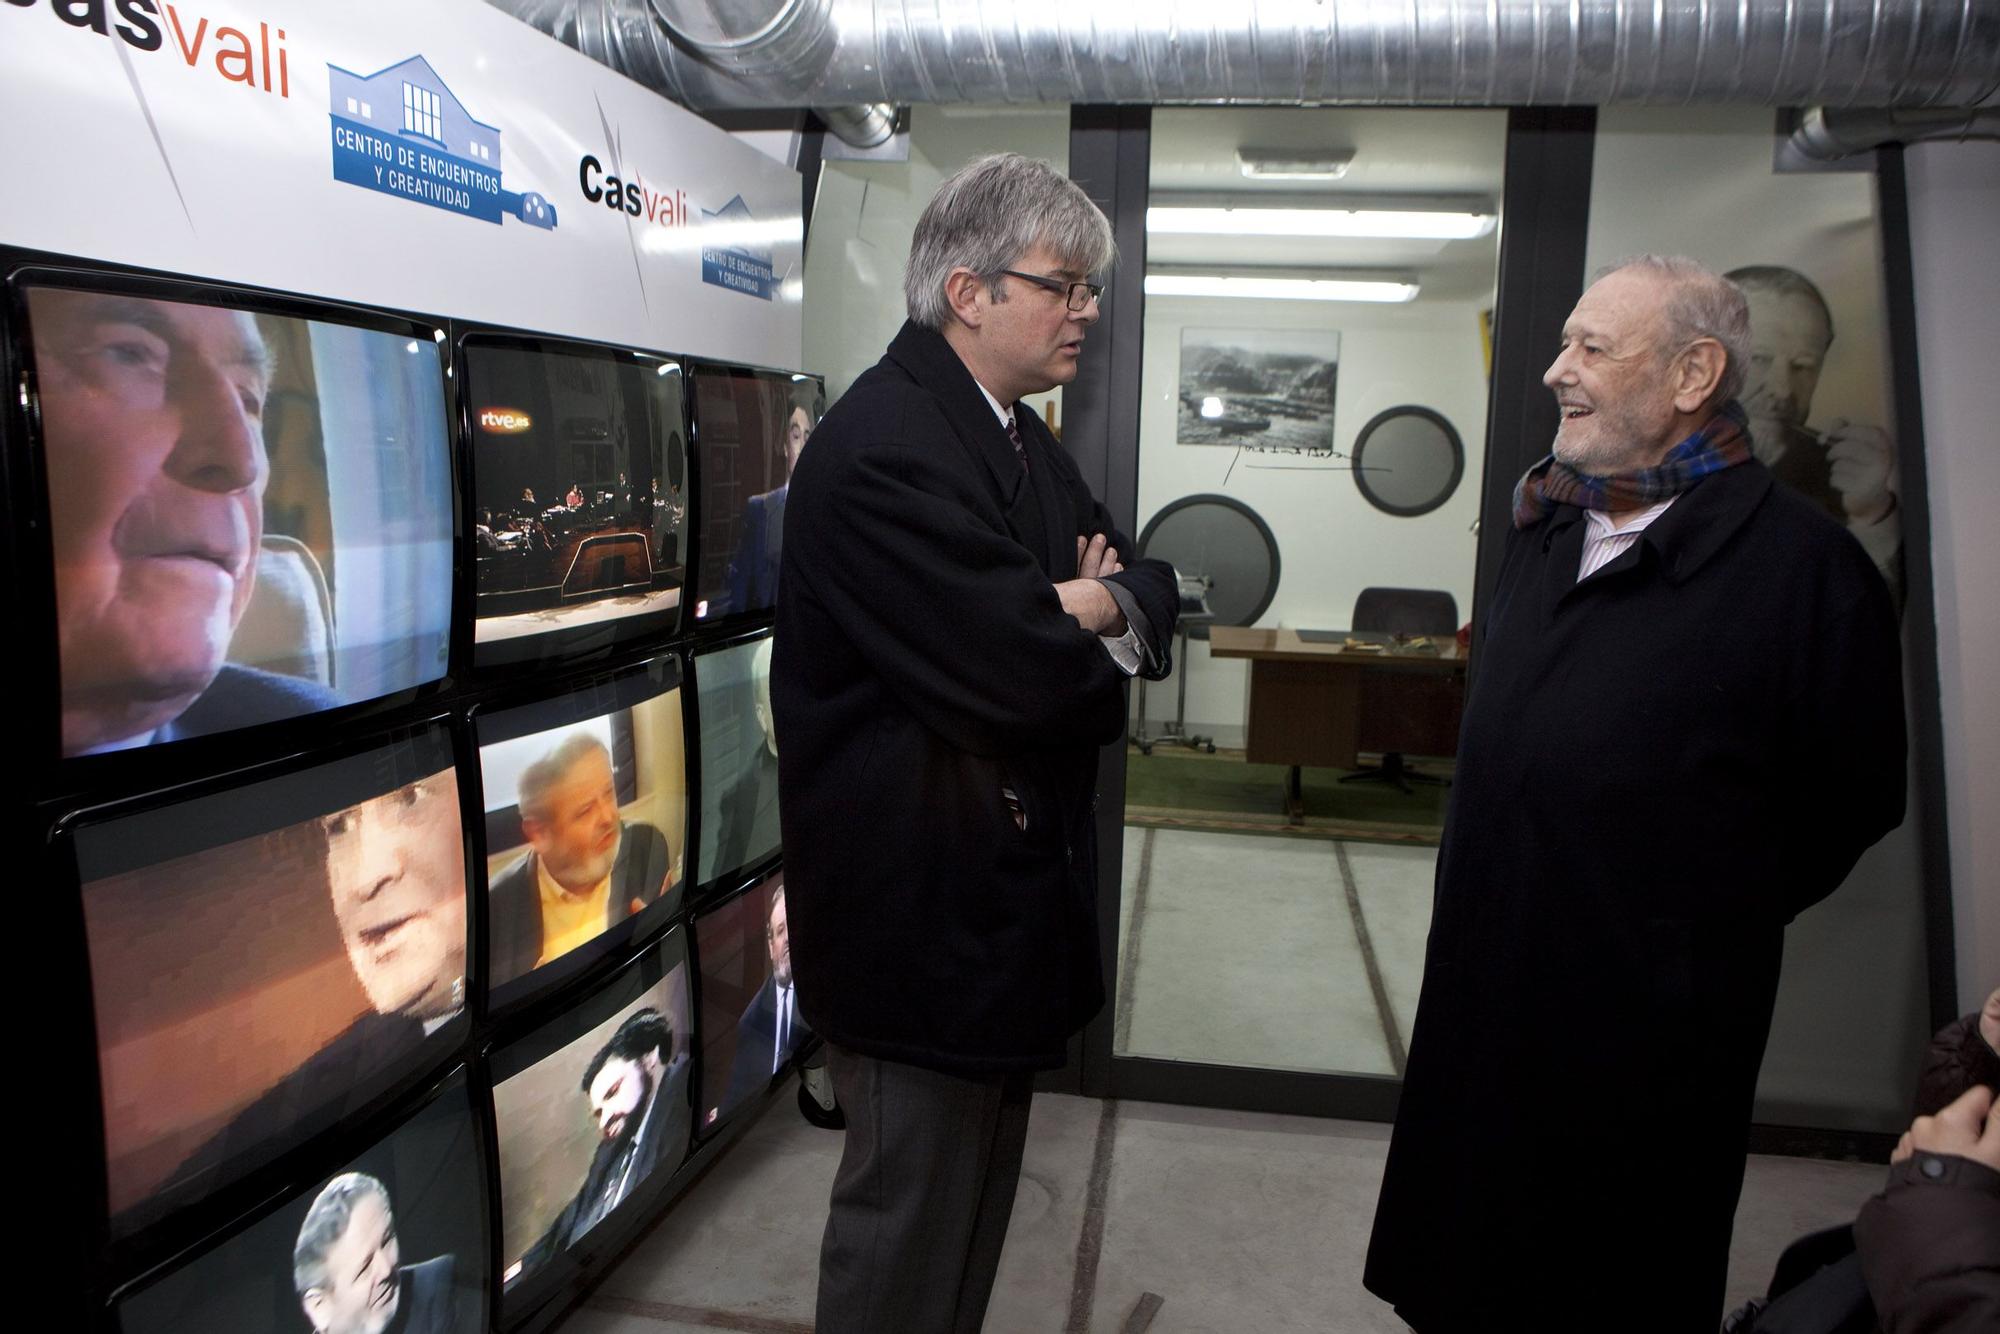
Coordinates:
(922,1198)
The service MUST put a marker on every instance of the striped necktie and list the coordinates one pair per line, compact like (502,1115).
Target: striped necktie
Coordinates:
(1020,450)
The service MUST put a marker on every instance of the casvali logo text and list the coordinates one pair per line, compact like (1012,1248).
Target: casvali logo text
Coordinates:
(231,52)
(402,132)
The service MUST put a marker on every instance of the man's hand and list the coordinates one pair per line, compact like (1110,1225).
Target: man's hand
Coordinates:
(1968,1128)
(1086,599)
(1862,467)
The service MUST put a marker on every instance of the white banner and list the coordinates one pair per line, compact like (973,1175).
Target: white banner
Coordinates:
(438,157)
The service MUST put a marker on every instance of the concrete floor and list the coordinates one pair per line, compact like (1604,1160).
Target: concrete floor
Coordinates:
(1236,1221)
(1285,953)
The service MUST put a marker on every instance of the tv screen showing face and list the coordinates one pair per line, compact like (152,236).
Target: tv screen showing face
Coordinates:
(739,759)
(395,1240)
(586,825)
(579,521)
(267,960)
(751,426)
(750,1022)
(591,1109)
(250,513)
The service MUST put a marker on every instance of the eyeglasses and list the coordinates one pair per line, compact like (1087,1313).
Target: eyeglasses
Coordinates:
(1078,295)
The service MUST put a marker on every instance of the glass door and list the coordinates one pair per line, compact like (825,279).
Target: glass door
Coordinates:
(1319,294)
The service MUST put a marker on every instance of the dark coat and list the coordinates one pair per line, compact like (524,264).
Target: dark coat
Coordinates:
(1930,1247)
(428,1303)
(757,1043)
(514,907)
(922,662)
(1659,768)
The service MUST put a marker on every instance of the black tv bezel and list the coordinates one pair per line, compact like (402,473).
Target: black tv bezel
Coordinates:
(704,1130)
(566,645)
(731,623)
(332,1152)
(153,766)
(518,1046)
(612,949)
(713,886)
(163,1217)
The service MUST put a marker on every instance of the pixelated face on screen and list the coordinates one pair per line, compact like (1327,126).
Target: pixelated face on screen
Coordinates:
(569,812)
(249,514)
(347,1258)
(397,871)
(251,993)
(586,1125)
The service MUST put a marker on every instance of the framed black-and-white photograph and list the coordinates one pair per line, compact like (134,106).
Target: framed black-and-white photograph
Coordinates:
(1265,389)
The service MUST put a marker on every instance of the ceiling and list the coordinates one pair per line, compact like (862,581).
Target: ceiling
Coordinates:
(1396,151)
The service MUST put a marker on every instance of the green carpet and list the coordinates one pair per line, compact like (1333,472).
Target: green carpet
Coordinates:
(1176,788)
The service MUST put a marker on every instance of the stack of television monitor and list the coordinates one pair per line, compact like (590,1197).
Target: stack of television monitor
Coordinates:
(403,793)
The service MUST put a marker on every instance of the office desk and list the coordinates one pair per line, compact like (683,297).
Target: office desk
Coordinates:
(1305,698)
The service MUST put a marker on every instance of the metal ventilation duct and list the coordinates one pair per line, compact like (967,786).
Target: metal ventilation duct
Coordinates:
(723,54)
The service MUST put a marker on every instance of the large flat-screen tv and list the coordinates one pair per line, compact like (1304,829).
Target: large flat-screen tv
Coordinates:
(269,959)
(750,427)
(393,1238)
(750,1022)
(579,523)
(739,762)
(250,504)
(592,1112)
(586,826)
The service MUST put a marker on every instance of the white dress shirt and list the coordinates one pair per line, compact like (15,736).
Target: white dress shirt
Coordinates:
(1603,543)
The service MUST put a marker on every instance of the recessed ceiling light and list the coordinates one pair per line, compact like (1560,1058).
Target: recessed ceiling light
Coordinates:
(1291,164)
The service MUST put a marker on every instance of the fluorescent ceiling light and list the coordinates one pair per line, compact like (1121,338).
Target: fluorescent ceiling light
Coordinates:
(1288,287)
(1403,224)
(1293,164)
(1299,213)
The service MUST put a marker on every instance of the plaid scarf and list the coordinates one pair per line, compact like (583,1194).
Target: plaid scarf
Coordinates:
(1723,443)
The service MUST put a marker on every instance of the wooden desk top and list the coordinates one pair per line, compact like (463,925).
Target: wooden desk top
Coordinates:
(1284,645)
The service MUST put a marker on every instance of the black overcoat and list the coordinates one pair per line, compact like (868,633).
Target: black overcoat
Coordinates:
(1659,768)
(922,663)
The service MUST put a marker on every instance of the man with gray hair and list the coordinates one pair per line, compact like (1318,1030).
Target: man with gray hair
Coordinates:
(586,870)
(958,623)
(346,1270)
(1685,725)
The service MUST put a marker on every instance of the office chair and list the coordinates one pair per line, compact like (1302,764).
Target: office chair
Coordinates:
(1413,709)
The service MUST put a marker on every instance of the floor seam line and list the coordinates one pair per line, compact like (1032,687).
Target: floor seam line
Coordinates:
(1125,1000)
(1090,1237)
(1384,1011)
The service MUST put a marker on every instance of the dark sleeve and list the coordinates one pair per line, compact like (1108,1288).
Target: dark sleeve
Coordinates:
(1846,732)
(1930,1247)
(1146,591)
(954,615)
(1958,1058)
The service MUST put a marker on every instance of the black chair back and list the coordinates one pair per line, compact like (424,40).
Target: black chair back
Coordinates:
(1406,611)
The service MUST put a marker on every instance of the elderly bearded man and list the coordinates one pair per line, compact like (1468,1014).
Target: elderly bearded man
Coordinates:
(1686,724)
(951,651)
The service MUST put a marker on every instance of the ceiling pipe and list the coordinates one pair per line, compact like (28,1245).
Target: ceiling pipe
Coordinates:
(1829,133)
(714,55)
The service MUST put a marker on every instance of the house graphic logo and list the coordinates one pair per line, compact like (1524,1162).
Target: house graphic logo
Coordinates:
(736,261)
(402,132)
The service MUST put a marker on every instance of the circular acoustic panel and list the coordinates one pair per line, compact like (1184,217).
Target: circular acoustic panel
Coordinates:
(1223,543)
(1408,461)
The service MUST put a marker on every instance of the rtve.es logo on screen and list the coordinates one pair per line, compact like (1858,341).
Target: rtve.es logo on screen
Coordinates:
(147,25)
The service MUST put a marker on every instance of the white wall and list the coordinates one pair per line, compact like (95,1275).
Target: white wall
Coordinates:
(1954,192)
(1332,542)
